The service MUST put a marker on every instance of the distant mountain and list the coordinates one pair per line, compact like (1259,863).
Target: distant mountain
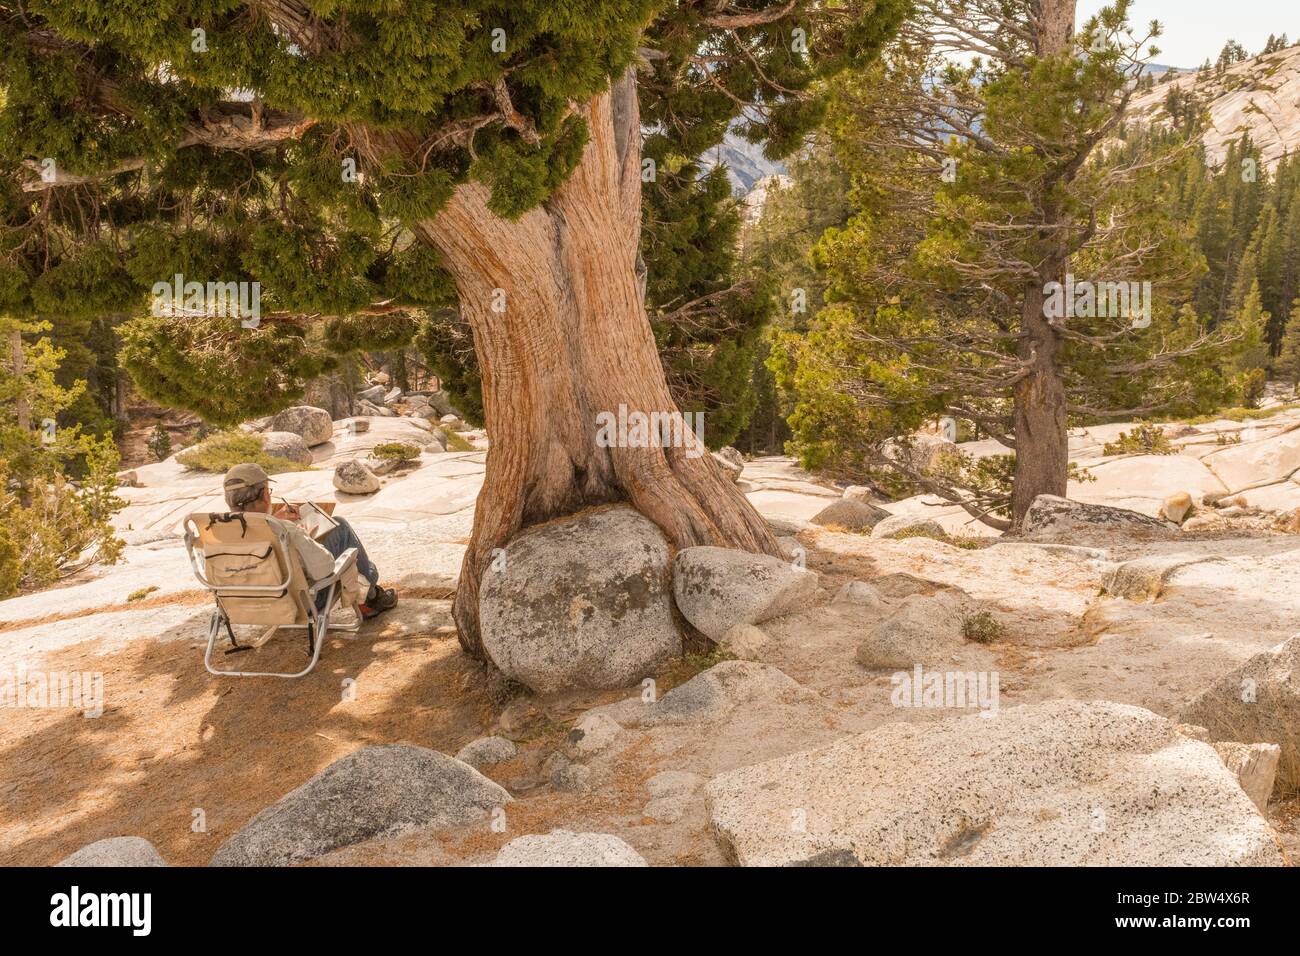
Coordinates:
(1156,69)
(1260,96)
(745,163)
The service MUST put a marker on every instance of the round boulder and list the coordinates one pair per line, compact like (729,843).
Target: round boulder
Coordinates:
(313,424)
(116,851)
(354,478)
(377,791)
(286,445)
(852,514)
(907,526)
(564,848)
(581,602)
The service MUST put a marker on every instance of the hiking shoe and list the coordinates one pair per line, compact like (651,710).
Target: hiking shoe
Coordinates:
(377,602)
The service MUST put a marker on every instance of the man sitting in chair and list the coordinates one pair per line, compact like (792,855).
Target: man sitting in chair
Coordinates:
(248,488)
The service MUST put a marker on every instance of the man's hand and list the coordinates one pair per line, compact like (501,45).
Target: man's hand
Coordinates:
(287,512)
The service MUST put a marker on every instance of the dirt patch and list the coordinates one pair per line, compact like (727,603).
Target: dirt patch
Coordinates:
(184,759)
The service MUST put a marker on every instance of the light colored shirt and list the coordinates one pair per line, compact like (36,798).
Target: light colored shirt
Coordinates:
(316,560)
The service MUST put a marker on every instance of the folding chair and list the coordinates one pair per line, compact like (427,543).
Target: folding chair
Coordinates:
(257,578)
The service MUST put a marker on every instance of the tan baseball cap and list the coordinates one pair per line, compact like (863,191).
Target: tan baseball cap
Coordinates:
(246,475)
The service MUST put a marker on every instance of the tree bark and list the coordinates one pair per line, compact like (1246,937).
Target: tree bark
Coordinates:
(1042,439)
(1042,450)
(555,300)
(1055,26)
(21,408)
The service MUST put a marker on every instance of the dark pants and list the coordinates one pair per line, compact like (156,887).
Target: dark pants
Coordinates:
(339,540)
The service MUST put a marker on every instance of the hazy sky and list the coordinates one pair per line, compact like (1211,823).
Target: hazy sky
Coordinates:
(1197,29)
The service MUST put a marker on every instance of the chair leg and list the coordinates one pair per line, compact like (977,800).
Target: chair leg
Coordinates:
(214,628)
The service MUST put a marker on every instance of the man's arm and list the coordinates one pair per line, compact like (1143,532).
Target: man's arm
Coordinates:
(317,561)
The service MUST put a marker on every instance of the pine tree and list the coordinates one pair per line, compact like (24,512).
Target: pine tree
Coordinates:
(970,218)
(1287,366)
(1250,325)
(364,159)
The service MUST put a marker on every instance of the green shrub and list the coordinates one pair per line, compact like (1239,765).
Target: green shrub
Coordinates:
(457,443)
(920,533)
(1252,384)
(224,450)
(54,528)
(982,628)
(1239,414)
(141,594)
(1143,440)
(395,451)
(160,443)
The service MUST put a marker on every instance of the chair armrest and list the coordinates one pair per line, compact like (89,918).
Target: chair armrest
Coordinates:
(341,563)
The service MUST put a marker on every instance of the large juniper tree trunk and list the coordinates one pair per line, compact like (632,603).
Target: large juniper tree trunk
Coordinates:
(1042,452)
(557,308)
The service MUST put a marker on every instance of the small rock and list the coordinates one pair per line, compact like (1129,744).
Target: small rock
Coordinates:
(731,468)
(357,426)
(354,478)
(386,466)
(908,526)
(745,641)
(671,792)
(519,716)
(592,733)
(711,695)
(1144,579)
(787,526)
(858,592)
(374,395)
(567,776)
(922,630)
(380,378)
(730,454)
(564,848)
(486,751)
(1177,507)
(860,493)
(392,395)
(314,424)
(441,401)
(1255,766)
(128,479)
(717,588)
(669,783)
(449,420)
(1205,521)
(116,851)
(851,515)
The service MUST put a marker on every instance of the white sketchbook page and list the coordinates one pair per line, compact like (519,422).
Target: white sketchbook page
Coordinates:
(315,522)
